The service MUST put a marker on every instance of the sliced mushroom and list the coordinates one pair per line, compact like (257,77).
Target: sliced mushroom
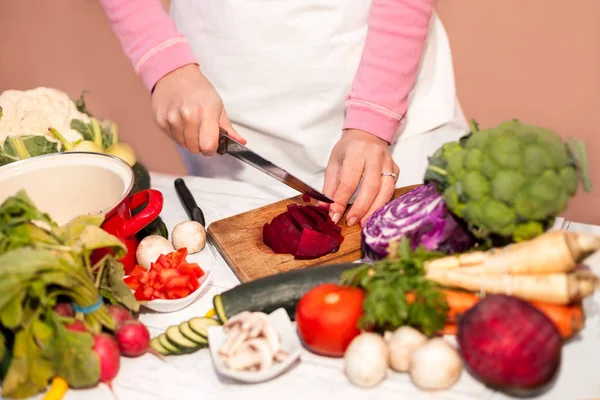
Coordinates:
(247,358)
(253,325)
(266,357)
(235,320)
(225,348)
(272,338)
(237,342)
(280,356)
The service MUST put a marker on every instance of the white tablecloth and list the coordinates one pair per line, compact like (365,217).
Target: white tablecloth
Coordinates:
(193,376)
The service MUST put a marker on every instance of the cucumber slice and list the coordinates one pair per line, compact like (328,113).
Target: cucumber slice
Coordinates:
(190,334)
(200,325)
(164,342)
(174,336)
(155,344)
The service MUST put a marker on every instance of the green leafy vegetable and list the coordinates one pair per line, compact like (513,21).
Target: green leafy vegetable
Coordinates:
(17,148)
(41,263)
(387,285)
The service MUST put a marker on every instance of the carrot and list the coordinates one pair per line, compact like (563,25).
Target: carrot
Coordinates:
(549,288)
(568,319)
(550,252)
(449,329)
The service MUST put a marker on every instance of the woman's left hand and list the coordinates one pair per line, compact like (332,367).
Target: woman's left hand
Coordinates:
(357,155)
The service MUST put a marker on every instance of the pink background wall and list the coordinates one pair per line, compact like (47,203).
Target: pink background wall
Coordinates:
(537,60)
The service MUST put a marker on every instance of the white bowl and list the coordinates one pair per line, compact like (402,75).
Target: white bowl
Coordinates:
(66,185)
(289,343)
(171,305)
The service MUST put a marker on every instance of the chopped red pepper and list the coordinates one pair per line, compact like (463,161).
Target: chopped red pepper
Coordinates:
(170,277)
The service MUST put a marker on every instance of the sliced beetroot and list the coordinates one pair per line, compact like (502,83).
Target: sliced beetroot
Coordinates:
(510,345)
(306,198)
(315,244)
(271,239)
(302,220)
(288,233)
(314,214)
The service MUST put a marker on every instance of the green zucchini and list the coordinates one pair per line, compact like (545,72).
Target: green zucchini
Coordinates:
(141,178)
(177,339)
(272,292)
(189,333)
(170,347)
(155,344)
(200,325)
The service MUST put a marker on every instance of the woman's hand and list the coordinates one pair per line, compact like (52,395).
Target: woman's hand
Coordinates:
(189,109)
(358,155)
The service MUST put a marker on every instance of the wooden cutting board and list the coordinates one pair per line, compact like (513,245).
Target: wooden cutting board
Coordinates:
(239,240)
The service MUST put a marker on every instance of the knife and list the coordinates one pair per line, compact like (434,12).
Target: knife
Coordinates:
(228,145)
(191,208)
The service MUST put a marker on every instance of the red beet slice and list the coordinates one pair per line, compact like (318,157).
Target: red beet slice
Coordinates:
(288,233)
(315,244)
(306,198)
(302,220)
(272,239)
(314,215)
(510,345)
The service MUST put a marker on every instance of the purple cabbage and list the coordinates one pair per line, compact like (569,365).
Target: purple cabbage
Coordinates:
(422,216)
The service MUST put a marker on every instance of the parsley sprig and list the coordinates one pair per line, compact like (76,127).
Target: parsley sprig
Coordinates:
(397,292)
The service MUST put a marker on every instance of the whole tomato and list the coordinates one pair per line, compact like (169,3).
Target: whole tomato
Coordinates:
(327,318)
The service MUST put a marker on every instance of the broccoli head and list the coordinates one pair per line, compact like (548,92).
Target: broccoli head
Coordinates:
(510,181)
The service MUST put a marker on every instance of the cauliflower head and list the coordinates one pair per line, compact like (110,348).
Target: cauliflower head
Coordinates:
(510,181)
(32,112)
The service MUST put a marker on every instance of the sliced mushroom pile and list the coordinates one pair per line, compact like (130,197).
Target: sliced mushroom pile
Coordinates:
(252,344)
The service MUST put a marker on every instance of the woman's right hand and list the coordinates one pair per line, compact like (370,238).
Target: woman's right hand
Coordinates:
(189,109)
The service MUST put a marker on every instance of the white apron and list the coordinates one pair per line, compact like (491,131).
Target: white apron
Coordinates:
(284,68)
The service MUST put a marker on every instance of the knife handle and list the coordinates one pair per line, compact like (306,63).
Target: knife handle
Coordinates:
(188,201)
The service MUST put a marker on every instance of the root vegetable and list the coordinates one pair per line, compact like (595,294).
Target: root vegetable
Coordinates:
(150,248)
(435,365)
(133,338)
(366,360)
(548,288)
(124,151)
(402,343)
(189,234)
(119,313)
(77,326)
(65,310)
(110,359)
(551,252)
(510,345)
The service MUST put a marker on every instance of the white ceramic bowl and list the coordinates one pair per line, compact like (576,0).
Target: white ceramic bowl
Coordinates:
(166,306)
(66,185)
(290,343)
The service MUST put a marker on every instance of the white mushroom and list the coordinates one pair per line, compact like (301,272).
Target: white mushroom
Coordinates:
(189,234)
(150,248)
(266,357)
(435,365)
(280,356)
(253,325)
(366,359)
(246,358)
(403,343)
(236,319)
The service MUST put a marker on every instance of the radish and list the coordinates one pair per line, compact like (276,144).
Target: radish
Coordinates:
(65,310)
(110,360)
(133,338)
(510,345)
(77,326)
(119,313)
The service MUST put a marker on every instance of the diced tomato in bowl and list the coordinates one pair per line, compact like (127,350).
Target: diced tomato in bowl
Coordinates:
(170,284)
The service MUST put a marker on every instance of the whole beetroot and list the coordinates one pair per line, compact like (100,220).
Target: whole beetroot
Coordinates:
(510,345)
(133,338)
(110,360)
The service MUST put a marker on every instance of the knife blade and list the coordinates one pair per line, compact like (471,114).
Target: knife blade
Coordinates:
(191,208)
(228,145)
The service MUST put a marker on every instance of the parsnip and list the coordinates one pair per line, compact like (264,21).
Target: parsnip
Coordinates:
(560,288)
(551,252)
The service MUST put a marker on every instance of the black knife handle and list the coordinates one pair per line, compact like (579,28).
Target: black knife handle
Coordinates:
(223,141)
(191,208)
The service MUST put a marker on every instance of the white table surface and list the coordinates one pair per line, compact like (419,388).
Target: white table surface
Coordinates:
(193,376)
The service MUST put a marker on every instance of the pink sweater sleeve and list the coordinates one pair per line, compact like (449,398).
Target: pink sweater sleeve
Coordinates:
(388,69)
(148,37)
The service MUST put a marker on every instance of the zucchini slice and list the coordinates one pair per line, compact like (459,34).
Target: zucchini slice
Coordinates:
(155,344)
(200,325)
(191,334)
(272,292)
(176,338)
(164,342)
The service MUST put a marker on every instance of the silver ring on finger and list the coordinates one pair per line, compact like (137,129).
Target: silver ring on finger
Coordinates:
(393,175)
